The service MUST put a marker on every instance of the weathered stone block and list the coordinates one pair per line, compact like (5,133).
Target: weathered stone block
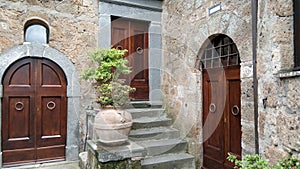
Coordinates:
(274,154)
(282,8)
(248,136)
(287,54)
(288,129)
(262,122)
(246,71)
(270,92)
(116,157)
(105,153)
(247,89)
(247,109)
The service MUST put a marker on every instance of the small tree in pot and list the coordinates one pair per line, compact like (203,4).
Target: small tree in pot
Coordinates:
(112,124)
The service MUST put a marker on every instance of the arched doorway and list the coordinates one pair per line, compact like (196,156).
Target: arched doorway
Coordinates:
(34,112)
(40,51)
(221,101)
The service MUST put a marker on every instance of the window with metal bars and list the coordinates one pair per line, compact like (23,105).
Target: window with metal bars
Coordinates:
(221,51)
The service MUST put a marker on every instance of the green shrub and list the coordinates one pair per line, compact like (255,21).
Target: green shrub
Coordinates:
(287,163)
(110,64)
(256,162)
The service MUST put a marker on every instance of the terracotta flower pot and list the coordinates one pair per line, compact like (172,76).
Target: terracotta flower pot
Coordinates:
(112,126)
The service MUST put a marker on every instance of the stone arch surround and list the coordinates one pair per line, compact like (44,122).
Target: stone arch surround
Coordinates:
(73,87)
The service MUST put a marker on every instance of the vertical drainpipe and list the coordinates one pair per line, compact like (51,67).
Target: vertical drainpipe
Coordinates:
(254,4)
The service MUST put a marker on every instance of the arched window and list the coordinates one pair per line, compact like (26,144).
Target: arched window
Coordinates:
(220,51)
(36,31)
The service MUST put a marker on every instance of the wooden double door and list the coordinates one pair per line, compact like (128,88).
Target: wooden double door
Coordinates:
(221,116)
(34,112)
(133,36)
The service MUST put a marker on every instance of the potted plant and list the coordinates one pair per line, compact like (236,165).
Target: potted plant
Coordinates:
(112,124)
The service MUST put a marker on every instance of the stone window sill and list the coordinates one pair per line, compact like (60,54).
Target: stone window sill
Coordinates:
(289,74)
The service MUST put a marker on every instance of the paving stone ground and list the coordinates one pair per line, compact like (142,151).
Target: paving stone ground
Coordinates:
(57,165)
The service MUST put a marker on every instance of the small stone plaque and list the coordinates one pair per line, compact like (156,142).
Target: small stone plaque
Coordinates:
(214,9)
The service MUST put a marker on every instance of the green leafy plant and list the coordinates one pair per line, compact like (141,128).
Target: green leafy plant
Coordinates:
(256,162)
(110,64)
(287,163)
(249,162)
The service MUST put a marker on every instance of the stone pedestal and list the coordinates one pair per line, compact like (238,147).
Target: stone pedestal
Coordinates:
(127,156)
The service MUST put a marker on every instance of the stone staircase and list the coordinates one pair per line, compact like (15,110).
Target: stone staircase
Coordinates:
(164,148)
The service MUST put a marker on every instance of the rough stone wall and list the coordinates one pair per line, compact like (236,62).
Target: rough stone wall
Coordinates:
(279,120)
(73,28)
(186,26)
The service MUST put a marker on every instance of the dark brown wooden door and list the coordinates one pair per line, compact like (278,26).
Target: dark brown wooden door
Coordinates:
(34,112)
(221,116)
(133,36)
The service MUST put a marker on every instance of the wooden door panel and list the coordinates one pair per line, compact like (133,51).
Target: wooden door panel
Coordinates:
(233,127)
(133,36)
(51,110)
(120,38)
(140,75)
(138,61)
(17,131)
(21,76)
(52,132)
(51,129)
(18,156)
(213,119)
(17,114)
(234,120)
(51,97)
(28,85)
(19,118)
(56,152)
(221,87)
(50,76)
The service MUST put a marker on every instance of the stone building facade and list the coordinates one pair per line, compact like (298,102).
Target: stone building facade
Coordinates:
(179,32)
(186,28)
(73,29)
(277,80)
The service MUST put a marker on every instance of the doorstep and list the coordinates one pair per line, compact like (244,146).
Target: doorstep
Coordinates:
(50,165)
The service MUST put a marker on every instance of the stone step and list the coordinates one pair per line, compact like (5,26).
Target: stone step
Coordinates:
(154,133)
(147,112)
(158,147)
(145,104)
(149,122)
(169,161)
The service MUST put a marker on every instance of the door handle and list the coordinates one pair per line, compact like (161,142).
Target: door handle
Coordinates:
(235,110)
(212,107)
(51,105)
(19,106)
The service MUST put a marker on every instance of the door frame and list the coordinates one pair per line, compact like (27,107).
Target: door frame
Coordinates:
(73,88)
(151,13)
